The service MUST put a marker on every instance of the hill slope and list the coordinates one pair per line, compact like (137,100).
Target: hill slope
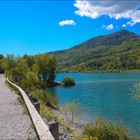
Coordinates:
(113,52)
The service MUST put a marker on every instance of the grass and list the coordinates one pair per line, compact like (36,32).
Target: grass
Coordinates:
(46,113)
(30,138)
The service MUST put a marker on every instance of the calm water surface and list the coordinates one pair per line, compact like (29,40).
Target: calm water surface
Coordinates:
(106,94)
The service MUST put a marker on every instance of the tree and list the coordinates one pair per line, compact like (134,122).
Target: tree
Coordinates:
(1,56)
(8,64)
(1,59)
(68,81)
(30,81)
(52,68)
(30,60)
(42,68)
(46,66)
(20,70)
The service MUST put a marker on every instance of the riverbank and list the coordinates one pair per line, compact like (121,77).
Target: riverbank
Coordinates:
(104,95)
(67,128)
(102,71)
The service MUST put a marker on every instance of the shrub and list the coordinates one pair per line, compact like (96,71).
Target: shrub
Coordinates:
(103,130)
(46,112)
(44,98)
(52,101)
(68,81)
(39,95)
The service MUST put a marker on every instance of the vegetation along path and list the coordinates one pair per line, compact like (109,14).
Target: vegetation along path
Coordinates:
(13,123)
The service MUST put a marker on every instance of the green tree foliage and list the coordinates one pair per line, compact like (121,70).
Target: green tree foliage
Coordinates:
(1,59)
(8,64)
(68,81)
(31,68)
(31,80)
(30,60)
(46,67)
(32,73)
(116,52)
(1,56)
(19,71)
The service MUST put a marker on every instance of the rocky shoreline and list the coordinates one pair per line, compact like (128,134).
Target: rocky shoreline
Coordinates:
(69,129)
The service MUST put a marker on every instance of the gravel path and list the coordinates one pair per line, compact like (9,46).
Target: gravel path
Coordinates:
(13,123)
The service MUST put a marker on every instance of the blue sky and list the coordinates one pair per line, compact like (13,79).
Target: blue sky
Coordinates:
(43,26)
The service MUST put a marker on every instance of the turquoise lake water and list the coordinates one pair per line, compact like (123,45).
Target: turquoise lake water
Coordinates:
(109,95)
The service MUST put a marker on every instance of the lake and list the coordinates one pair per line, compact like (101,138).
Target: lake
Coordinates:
(109,95)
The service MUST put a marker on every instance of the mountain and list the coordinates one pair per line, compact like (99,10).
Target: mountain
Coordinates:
(118,51)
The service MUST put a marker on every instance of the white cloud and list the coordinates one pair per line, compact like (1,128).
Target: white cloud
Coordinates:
(124,25)
(108,27)
(67,22)
(128,9)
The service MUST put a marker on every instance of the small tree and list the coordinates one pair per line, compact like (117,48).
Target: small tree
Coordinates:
(68,81)
(8,64)
(46,67)
(19,71)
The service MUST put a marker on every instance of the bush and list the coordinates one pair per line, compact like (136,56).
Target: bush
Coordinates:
(68,81)
(39,95)
(44,98)
(46,112)
(103,130)
(52,101)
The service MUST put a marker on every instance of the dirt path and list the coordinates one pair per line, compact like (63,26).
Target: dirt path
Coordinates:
(13,123)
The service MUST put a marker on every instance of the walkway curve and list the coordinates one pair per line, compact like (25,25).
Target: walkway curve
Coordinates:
(14,124)
(41,128)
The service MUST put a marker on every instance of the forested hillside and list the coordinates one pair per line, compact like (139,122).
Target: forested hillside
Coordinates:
(119,51)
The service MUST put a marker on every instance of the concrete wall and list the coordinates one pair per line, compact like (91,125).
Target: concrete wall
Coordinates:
(40,126)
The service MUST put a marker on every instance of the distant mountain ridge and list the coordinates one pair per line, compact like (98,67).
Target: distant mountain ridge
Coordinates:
(113,52)
(111,39)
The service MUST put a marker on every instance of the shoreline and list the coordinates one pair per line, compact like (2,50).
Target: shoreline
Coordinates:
(101,72)
(69,129)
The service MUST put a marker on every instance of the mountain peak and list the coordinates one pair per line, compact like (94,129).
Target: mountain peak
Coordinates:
(124,32)
(117,51)
(115,38)
(104,53)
